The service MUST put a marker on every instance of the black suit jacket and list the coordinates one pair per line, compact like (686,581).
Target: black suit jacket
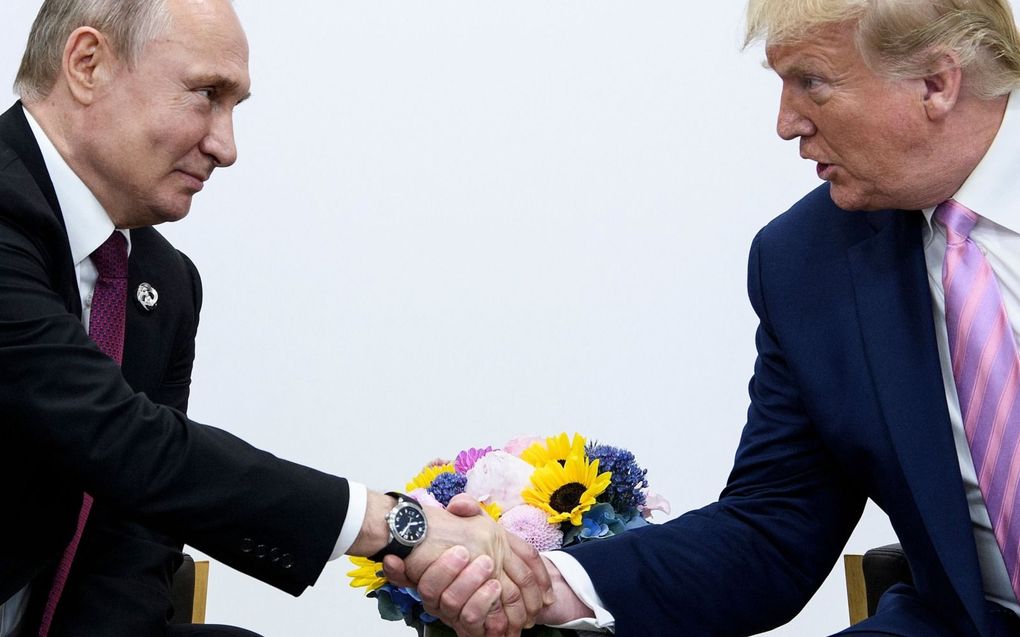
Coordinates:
(73,420)
(847,403)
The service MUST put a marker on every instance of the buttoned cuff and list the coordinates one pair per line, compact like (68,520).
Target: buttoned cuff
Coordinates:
(577,579)
(357,503)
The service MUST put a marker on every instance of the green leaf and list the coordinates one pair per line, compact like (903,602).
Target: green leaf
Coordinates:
(388,610)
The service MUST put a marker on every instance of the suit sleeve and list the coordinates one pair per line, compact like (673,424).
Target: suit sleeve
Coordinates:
(67,404)
(752,560)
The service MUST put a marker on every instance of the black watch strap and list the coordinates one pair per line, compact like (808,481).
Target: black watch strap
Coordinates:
(395,547)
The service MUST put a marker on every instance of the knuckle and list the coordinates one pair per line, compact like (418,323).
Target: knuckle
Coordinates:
(449,602)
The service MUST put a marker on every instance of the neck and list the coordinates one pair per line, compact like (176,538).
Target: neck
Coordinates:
(964,139)
(59,124)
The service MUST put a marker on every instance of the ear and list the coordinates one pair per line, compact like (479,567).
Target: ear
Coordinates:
(88,63)
(942,86)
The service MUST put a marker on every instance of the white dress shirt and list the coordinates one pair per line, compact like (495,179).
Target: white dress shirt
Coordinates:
(88,226)
(993,192)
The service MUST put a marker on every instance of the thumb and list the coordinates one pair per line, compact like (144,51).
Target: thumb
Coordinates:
(464,506)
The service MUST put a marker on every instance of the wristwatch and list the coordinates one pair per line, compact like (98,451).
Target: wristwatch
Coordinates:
(408,526)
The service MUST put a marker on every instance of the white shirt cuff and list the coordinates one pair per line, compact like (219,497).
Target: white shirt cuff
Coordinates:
(356,505)
(577,579)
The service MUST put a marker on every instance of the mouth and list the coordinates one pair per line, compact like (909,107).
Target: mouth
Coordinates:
(196,180)
(824,170)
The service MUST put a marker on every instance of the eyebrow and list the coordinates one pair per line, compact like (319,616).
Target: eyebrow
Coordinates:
(223,83)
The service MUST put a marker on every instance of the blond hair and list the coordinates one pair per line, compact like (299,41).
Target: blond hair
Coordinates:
(128,24)
(905,38)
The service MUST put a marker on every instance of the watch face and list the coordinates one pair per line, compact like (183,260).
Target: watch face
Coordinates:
(409,525)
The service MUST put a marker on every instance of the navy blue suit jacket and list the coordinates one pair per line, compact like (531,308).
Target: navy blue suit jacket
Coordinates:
(847,403)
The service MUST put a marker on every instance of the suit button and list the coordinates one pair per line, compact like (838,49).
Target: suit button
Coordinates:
(286,560)
(274,554)
(260,551)
(247,545)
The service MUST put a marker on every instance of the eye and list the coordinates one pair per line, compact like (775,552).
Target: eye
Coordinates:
(811,82)
(208,92)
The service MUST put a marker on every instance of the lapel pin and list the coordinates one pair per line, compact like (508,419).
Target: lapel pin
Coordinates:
(147,297)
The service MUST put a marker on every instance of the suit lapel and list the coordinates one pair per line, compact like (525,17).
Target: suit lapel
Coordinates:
(29,200)
(894,309)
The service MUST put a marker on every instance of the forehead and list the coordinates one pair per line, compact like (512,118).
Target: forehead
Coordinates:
(205,40)
(830,46)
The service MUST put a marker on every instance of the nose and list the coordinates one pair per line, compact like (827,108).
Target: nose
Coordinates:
(219,142)
(792,123)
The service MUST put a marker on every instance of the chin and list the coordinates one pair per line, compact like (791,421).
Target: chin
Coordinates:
(850,200)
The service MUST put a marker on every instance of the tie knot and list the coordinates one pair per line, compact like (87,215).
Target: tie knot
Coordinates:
(958,219)
(111,259)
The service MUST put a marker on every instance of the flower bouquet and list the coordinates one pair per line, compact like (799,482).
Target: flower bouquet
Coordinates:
(551,492)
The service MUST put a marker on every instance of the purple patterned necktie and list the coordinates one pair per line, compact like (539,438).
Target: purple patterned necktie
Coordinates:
(986,368)
(106,327)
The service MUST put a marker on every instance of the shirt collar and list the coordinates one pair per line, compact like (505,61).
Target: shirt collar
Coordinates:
(87,223)
(992,189)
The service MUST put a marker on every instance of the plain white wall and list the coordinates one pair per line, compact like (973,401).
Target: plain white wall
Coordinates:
(454,222)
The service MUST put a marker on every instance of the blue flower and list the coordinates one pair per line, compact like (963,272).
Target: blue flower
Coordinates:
(625,492)
(396,603)
(598,522)
(447,485)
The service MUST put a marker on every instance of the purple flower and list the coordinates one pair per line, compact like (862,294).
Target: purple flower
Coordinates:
(531,525)
(447,485)
(467,459)
(626,491)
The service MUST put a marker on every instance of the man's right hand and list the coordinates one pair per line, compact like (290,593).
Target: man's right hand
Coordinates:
(507,574)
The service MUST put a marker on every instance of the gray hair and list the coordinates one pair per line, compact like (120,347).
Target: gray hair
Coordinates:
(905,38)
(128,24)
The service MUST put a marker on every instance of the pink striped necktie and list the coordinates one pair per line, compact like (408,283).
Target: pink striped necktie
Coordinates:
(986,368)
(106,327)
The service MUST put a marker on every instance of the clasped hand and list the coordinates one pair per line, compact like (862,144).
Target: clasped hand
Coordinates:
(473,575)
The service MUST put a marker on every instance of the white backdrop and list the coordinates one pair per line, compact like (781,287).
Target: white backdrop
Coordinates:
(454,222)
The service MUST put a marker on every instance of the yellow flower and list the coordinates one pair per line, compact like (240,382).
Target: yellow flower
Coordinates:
(493,509)
(367,575)
(424,479)
(556,449)
(566,491)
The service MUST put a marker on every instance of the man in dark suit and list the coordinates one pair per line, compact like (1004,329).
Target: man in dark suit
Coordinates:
(910,111)
(127,110)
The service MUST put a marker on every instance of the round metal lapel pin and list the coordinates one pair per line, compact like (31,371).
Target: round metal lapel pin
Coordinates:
(147,297)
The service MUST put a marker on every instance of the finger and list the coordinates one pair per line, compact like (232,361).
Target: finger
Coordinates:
(496,622)
(513,605)
(460,590)
(395,571)
(482,613)
(464,506)
(520,572)
(439,575)
(531,558)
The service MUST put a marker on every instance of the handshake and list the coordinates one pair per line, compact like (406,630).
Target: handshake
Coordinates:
(472,574)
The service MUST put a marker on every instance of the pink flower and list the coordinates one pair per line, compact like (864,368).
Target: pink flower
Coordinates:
(467,459)
(499,477)
(530,524)
(517,446)
(425,498)
(654,502)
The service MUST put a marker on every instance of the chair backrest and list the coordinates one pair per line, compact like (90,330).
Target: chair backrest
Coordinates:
(190,587)
(870,575)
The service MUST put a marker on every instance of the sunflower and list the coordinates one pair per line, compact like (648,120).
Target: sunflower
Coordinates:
(566,491)
(555,449)
(493,509)
(368,574)
(424,478)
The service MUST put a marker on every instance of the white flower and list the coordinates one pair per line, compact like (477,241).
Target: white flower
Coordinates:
(499,477)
